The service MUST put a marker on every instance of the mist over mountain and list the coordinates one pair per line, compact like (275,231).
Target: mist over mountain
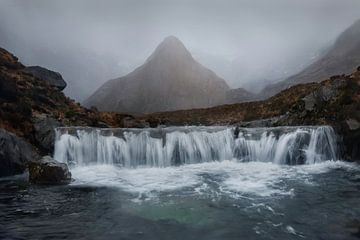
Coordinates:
(170,79)
(248,43)
(341,58)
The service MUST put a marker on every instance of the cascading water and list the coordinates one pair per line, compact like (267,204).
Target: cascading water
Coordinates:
(192,182)
(172,146)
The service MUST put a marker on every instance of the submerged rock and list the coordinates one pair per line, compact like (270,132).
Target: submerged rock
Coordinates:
(15,154)
(49,171)
(53,78)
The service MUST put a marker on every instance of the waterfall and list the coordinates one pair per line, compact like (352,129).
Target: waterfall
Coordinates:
(162,147)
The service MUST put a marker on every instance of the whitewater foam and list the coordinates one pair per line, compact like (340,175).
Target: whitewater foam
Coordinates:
(230,178)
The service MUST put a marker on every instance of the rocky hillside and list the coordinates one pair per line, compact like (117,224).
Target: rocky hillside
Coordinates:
(31,104)
(170,79)
(334,102)
(342,58)
(239,95)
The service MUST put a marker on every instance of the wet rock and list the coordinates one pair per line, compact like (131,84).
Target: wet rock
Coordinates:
(53,78)
(102,125)
(49,172)
(309,101)
(268,122)
(45,132)
(15,154)
(352,144)
(353,124)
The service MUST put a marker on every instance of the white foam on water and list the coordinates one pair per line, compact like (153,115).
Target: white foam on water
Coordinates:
(140,180)
(237,179)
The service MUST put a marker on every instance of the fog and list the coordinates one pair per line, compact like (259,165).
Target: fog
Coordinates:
(247,42)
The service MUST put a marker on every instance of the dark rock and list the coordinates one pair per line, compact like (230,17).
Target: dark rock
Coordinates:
(353,124)
(8,60)
(15,154)
(45,133)
(269,122)
(8,90)
(351,141)
(49,172)
(236,132)
(102,125)
(53,78)
(309,101)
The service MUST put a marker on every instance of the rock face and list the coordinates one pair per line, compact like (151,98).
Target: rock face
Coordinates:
(45,132)
(170,79)
(342,58)
(31,108)
(15,154)
(48,171)
(53,78)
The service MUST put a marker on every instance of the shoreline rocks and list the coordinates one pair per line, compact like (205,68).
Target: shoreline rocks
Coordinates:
(48,171)
(15,154)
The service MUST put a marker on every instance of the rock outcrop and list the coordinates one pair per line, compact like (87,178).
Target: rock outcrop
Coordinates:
(15,154)
(30,107)
(170,79)
(53,78)
(44,134)
(47,171)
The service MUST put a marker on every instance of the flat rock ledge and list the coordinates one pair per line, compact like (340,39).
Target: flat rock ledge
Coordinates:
(48,171)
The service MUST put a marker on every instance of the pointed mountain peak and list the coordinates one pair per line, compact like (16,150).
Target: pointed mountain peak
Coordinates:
(170,48)
(172,41)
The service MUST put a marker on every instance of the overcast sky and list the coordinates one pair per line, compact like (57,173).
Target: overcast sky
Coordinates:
(243,41)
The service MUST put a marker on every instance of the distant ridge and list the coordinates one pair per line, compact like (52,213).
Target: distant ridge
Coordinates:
(342,58)
(170,79)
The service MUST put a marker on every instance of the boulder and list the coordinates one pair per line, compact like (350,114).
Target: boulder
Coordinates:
(49,172)
(53,78)
(353,124)
(15,154)
(310,102)
(44,132)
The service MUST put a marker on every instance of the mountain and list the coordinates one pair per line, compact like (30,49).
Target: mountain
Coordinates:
(342,58)
(170,79)
(239,95)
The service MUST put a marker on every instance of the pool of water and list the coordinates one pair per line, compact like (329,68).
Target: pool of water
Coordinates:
(218,200)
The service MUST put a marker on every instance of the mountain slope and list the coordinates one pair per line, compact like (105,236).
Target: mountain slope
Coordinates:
(170,79)
(31,106)
(238,95)
(342,58)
